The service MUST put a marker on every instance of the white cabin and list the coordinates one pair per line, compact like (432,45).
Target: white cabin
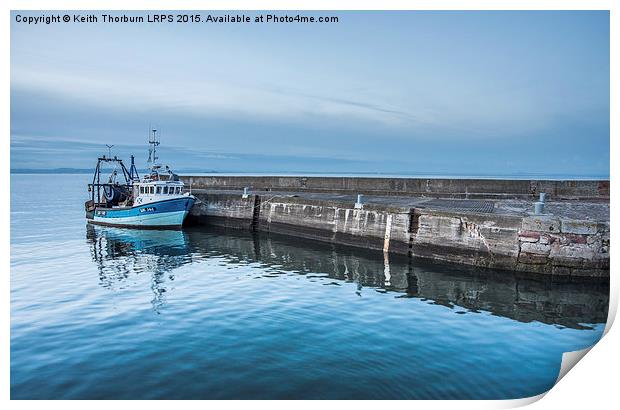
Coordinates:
(148,191)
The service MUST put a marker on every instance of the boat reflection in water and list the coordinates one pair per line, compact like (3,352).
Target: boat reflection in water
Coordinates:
(119,253)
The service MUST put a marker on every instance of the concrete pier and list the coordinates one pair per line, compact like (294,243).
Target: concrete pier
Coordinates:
(486,223)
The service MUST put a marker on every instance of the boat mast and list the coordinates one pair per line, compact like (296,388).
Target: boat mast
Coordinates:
(133,171)
(153,143)
(109,150)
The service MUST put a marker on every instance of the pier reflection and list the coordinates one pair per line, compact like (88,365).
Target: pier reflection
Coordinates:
(119,252)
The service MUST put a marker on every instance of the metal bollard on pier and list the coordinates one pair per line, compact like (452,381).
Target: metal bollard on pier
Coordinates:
(360,201)
(539,207)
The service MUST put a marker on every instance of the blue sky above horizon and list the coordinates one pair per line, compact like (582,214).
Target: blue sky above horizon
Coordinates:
(391,92)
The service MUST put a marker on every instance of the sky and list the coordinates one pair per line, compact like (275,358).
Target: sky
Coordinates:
(419,93)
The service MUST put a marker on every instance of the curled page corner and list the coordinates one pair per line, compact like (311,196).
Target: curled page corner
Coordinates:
(569,360)
(526,401)
(611,312)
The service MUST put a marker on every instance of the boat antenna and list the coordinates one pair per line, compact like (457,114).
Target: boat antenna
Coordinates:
(109,150)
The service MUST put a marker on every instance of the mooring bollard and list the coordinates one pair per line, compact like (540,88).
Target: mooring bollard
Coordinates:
(539,208)
(246,192)
(360,201)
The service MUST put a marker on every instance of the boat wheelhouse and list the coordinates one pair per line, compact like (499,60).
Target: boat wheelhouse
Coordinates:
(158,200)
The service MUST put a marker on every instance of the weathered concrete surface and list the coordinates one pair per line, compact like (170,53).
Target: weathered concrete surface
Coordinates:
(508,237)
(450,188)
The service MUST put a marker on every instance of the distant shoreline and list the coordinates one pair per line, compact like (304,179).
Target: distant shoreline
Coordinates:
(58,171)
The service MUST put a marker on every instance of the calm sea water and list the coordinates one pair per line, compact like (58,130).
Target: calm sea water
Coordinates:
(112,313)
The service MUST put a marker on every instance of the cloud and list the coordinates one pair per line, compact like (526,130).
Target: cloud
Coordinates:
(206,98)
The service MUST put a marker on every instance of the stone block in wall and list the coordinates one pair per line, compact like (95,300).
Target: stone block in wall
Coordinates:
(435,227)
(578,227)
(573,256)
(572,251)
(574,239)
(529,236)
(497,236)
(541,223)
(500,241)
(533,258)
(535,248)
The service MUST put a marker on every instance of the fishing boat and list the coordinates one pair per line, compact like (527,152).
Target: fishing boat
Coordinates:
(158,200)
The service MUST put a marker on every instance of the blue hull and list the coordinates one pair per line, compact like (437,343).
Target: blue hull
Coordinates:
(169,213)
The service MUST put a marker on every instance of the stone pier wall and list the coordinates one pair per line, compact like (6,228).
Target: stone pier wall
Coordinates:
(564,246)
(543,244)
